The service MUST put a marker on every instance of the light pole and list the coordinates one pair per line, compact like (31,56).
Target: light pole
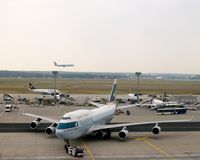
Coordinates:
(55,74)
(138,84)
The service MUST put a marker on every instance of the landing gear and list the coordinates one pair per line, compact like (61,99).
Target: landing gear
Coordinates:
(99,134)
(104,135)
(66,145)
(74,151)
(107,135)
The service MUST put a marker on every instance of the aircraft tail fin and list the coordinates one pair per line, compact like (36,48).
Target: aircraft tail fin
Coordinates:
(31,86)
(55,64)
(113,91)
(152,99)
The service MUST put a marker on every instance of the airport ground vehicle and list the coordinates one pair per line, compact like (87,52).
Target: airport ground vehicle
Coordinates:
(8,108)
(75,151)
(171,111)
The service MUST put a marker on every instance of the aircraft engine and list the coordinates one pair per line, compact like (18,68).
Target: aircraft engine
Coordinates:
(34,124)
(156,129)
(123,134)
(51,129)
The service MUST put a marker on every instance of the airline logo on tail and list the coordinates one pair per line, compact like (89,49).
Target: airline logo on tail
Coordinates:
(55,63)
(113,91)
(31,86)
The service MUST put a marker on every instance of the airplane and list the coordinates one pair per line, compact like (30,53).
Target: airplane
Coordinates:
(8,98)
(156,104)
(45,91)
(79,123)
(133,98)
(63,65)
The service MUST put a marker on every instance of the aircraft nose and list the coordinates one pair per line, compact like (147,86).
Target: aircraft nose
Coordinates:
(59,133)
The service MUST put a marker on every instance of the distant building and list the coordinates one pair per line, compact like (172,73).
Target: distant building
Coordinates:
(159,78)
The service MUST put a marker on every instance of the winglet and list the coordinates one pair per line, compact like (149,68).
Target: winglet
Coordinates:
(113,91)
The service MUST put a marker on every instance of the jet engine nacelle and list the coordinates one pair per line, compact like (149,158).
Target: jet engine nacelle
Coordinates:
(34,124)
(51,129)
(123,134)
(156,130)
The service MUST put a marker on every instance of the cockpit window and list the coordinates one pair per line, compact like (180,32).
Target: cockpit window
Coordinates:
(67,125)
(65,118)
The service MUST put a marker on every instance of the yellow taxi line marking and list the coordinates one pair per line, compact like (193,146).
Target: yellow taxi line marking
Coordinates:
(159,149)
(88,150)
(141,138)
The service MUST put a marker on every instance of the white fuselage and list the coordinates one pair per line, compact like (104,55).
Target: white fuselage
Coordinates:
(157,102)
(78,123)
(48,92)
(64,65)
(160,103)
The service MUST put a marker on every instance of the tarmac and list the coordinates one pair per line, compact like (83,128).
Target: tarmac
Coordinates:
(20,145)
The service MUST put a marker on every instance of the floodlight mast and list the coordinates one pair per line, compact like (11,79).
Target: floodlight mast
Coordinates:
(138,84)
(55,74)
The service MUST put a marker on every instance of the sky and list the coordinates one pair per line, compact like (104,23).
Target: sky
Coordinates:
(101,35)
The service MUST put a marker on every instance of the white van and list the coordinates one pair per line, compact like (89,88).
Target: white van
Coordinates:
(8,108)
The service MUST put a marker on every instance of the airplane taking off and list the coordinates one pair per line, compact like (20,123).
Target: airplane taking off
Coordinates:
(79,123)
(63,65)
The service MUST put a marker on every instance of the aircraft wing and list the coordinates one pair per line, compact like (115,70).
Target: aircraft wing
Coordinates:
(41,117)
(122,125)
(97,104)
(127,106)
(118,107)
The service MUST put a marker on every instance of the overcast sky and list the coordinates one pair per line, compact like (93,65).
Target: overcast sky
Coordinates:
(101,35)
